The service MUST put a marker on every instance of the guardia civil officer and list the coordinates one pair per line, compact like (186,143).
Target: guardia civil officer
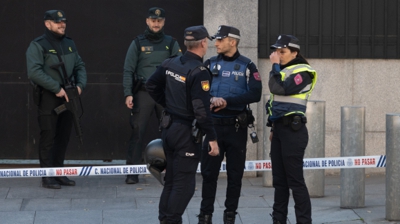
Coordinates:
(181,85)
(55,130)
(291,82)
(145,53)
(236,83)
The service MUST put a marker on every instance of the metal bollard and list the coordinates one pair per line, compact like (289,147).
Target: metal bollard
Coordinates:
(267,175)
(392,167)
(352,181)
(315,179)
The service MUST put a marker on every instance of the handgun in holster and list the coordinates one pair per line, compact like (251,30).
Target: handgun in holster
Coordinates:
(197,133)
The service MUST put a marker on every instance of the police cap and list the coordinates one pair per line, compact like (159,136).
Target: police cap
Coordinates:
(196,33)
(227,31)
(55,15)
(286,41)
(156,13)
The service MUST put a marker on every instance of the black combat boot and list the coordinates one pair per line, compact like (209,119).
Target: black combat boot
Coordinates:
(50,182)
(164,221)
(204,219)
(229,217)
(276,221)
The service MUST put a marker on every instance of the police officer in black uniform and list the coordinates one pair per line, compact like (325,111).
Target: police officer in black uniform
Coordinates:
(42,55)
(291,82)
(236,83)
(181,85)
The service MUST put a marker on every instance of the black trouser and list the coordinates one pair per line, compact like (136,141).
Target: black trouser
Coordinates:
(143,108)
(55,131)
(182,156)
(232,144)
(287,152)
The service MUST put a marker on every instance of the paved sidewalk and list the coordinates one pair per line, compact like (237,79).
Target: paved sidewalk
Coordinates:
(108,200)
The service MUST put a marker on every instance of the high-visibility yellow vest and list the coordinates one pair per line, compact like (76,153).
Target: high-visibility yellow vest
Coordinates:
(292,104)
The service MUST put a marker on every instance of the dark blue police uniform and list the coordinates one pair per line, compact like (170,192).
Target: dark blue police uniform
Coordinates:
(181,85)
(236,80)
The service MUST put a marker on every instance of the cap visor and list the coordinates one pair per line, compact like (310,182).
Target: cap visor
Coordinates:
(218,37)
(156,17)
(59,20)
(276,46)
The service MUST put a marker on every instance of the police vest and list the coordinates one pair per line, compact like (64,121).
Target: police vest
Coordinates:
(151,55)
(231,80)
(280,106)
(177,93)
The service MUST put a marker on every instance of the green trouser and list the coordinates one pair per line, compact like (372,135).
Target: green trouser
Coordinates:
(143,108)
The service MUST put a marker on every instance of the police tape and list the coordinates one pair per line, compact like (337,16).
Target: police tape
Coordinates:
(256,165)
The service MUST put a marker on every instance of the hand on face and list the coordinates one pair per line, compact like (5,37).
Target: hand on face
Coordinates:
(274,57)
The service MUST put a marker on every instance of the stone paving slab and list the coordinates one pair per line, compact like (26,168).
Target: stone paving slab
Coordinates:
(68,217)
(8,205)
(103,204)
(45,204)
(17,217)
(85,192)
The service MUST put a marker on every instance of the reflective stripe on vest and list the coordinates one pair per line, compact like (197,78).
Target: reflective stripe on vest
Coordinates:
(301,98)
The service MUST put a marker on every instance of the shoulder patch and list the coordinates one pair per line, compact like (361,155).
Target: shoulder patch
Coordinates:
(257,76)
(205,85)
(298,79)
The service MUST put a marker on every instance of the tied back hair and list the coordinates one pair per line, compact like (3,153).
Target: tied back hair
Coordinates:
(298,53)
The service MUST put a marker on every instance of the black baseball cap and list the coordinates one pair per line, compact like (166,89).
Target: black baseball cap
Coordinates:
(196,33)
(286,41)
(156,13)
(227,31)
(55,15)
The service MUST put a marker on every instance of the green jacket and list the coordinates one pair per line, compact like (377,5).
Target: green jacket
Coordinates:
(41,55)
(144,61)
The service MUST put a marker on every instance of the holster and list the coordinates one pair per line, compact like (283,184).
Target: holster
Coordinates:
(197,133)
(37,94)
(137,84)
(166,120)
(250,117)
(295,122)
(242,119)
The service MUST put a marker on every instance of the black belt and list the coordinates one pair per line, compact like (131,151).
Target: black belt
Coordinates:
(181,120)
(224,121)
(288,119)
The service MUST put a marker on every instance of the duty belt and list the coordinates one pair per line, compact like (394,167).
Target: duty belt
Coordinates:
(224,121)
(181,120)
(288,119)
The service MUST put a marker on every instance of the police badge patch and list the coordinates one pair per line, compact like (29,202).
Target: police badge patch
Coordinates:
(205,85)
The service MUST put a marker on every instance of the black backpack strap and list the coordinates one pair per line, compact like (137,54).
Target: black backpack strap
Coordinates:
(171,45)
(138,46)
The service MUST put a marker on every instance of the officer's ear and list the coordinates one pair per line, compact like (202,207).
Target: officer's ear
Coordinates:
(47,24)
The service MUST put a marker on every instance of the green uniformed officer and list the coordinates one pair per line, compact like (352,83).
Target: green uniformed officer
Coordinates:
(55,130)
(145,53)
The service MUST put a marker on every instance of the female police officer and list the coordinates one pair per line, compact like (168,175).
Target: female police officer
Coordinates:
(291,82)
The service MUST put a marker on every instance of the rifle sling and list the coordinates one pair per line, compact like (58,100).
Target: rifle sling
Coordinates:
(63,70)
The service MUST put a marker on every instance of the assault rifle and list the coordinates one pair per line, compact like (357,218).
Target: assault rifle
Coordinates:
(73,105)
